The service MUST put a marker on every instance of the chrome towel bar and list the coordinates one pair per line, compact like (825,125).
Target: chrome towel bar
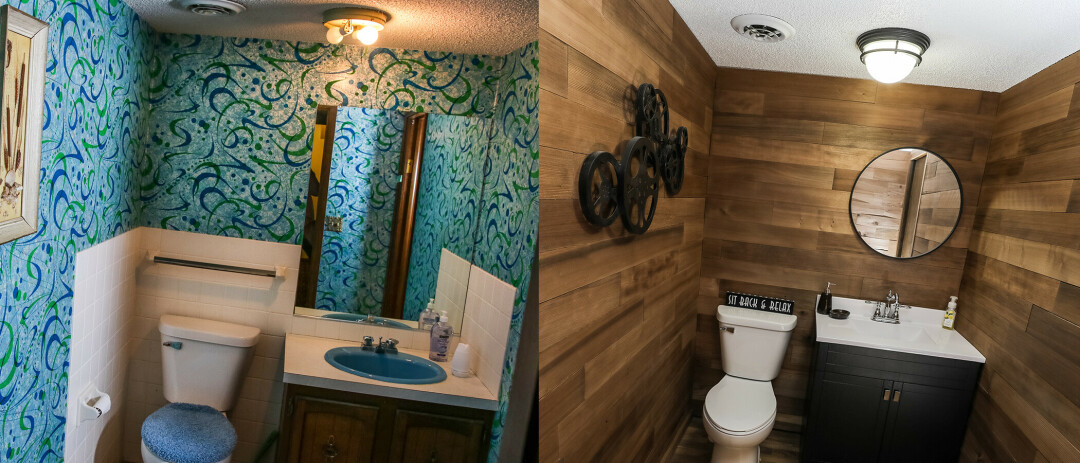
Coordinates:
(277,272)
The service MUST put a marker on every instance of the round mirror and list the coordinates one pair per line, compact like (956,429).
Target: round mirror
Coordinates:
(906,203)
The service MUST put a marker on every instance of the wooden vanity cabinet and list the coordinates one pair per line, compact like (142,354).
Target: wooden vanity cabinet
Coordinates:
(870,405)
(322,425)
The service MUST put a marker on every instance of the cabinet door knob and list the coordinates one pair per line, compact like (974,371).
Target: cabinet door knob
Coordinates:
(886,396)
(329,450)
(896,396)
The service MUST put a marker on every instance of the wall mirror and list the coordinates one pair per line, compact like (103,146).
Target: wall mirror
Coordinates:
(906,203)
(393,197)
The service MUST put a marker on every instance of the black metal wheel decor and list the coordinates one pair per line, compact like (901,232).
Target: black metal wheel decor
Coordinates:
(598,188)
(639,185)
(630,187)
(671,168)
(652,114)
(673,161)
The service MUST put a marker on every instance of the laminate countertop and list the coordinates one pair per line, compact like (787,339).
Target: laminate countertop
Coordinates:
(305,365)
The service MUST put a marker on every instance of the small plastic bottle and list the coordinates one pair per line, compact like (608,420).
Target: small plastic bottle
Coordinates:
(950,314)
(440,338)
(428,317)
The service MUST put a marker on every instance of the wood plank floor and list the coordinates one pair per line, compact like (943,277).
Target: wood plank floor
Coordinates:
(694,446)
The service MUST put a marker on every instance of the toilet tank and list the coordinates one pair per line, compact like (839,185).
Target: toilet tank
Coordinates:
(753,342)
(210,363)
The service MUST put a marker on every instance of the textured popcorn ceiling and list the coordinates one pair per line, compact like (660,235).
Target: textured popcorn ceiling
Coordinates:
(983,45)
(492,27)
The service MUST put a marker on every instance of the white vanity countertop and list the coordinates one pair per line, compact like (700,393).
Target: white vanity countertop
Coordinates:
(306,365)
(919,331)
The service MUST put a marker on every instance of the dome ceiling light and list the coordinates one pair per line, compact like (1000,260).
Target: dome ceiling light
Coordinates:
(364,23)
(891,53)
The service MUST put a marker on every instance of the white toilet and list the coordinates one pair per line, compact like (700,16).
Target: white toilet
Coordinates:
(739,412)
(203,363)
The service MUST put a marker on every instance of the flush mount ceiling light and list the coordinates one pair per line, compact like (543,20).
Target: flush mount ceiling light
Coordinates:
(213,7)
(891,53)
(762,28)
(365,22)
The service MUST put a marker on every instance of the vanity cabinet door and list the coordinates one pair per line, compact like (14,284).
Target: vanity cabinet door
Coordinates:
(848,418)
(428,438)
(925,424)
(332,432)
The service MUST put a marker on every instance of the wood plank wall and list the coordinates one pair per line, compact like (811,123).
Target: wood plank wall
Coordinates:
(1020,296)
(937,206)
(786,149)
(617,311)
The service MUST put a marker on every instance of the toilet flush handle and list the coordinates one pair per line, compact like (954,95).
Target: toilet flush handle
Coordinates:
(174,344)
(729,329)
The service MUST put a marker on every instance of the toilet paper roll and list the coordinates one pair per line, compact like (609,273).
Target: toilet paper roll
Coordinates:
(461,364)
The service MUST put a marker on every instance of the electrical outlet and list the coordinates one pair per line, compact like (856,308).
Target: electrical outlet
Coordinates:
(333,224)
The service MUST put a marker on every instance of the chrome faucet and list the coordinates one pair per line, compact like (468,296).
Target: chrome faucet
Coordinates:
(890,311)
(388,346)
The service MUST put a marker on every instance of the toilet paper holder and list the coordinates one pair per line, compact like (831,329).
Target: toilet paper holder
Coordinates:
(93,404)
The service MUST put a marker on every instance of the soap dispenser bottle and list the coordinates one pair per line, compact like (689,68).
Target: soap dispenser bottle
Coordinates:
(824,303)
(440,338)
(950,314)
(428,316)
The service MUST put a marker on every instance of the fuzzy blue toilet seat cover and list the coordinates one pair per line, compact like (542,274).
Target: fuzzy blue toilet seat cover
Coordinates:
(189,433)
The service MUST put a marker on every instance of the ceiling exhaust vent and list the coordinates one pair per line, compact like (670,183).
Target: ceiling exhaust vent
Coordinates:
(213,7)
(762,28)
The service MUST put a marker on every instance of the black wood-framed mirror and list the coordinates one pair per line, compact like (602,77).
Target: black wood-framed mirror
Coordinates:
(906,203)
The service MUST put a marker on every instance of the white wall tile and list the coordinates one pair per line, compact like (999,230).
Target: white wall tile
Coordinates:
(488,305)
(99,354)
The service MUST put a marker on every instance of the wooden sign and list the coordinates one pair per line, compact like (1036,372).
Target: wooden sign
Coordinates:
(765,304)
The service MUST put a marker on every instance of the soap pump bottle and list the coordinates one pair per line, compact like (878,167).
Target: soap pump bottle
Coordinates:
(824,303)
(428,316)
(950,314)
(440,338)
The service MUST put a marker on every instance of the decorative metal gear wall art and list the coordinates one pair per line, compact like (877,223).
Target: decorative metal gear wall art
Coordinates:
(639,185)
(598,190)
(630,187)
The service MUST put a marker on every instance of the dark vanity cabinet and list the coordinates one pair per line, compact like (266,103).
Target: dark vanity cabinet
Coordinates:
(869,405)
(321,425)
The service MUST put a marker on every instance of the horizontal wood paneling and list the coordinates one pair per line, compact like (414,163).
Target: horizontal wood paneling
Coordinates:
(616,308)
(1019,299)
(786,149)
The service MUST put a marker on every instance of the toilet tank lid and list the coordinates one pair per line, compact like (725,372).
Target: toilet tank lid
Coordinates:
(211,331)
(751,318)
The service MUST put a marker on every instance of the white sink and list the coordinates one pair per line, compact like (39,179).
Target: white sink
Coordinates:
(919,331)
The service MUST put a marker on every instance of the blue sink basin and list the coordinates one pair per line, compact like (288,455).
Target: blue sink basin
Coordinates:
(393,368)
(367,319)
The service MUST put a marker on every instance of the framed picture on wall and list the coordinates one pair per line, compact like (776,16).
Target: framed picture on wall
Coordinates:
(22,101)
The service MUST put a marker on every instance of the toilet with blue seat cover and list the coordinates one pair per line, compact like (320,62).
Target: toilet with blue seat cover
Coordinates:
(187,433)
(203,364)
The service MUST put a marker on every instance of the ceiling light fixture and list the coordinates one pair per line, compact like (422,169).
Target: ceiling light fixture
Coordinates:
(364,23)
(891,53)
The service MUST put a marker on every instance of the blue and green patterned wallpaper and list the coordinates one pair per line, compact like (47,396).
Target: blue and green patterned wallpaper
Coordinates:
(510,217)
(95,103)
(451,178)
(361,190)
(231,122)
(230,126)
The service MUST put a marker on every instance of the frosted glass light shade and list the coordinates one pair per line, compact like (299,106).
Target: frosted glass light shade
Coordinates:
(886,63)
